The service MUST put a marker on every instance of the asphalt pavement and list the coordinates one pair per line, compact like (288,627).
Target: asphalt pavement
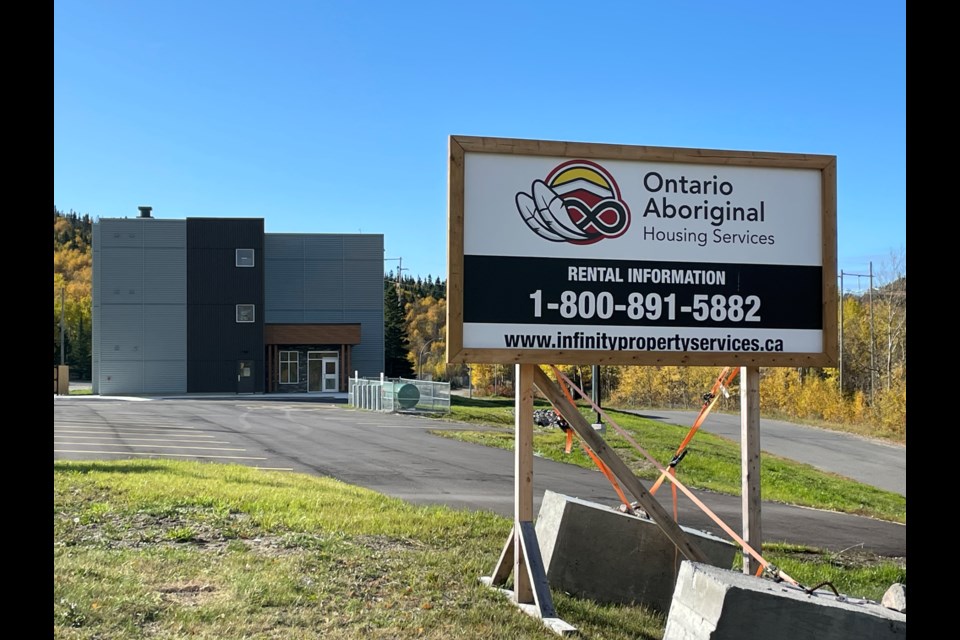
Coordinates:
(395,454)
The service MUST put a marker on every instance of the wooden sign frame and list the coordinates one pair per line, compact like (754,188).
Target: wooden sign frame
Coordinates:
(821,291)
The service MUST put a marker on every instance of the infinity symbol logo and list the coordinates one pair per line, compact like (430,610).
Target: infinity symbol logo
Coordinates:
(578,203)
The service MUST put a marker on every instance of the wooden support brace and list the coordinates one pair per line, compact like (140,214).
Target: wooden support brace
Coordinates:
(505,564)
(536,572)
(619,468)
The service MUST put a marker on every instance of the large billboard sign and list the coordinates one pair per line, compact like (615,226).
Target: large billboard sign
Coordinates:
(578,253)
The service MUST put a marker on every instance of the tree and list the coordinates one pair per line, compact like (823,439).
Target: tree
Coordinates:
(396,344)
(426,320)
(72,291)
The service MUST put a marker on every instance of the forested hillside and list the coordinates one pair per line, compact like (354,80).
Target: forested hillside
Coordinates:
(72,291)
(870,392)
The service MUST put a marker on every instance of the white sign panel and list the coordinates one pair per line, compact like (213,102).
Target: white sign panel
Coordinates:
(597,254)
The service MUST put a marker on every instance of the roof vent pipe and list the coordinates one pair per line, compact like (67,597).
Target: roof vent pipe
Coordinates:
(145,211)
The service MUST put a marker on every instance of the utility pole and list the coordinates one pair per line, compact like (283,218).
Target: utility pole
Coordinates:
(595,389)
(63,353)
(873,365)
(841,333)
(399,272)
(420,358)
(399,267)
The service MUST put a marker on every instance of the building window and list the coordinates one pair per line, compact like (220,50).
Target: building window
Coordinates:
(245,313)
(244,257)
(289,367)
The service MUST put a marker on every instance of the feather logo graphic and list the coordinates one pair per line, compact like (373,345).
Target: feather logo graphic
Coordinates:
(579,202)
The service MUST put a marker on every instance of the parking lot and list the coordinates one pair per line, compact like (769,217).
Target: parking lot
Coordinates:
(394,454)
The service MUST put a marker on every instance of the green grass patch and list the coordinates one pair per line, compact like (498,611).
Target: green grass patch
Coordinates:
(850,572)
(712,463)
(176,549)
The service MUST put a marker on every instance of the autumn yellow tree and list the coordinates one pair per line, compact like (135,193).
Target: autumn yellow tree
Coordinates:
(427,335)
(72,292)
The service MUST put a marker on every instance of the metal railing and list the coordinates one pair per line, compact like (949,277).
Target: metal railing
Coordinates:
(392,395)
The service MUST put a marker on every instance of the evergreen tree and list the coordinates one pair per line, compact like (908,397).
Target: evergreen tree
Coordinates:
(396,343)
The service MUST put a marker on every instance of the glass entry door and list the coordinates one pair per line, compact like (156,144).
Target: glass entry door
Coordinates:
(323,368)
(330,374)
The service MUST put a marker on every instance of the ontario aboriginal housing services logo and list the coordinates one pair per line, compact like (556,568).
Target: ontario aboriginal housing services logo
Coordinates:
(579,203)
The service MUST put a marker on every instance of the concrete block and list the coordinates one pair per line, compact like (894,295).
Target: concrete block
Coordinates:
(710,603)
(593,551)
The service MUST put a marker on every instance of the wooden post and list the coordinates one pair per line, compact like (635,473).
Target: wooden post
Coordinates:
(521,553)
(750,463)
(523,475)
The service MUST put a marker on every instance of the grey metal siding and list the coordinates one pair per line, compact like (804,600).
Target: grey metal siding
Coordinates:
(283,284)
(165,276)
(367,357)
(324,284)
(165,333)
(365,248)
(215,285)
(324,247)
(95,310)
(329,278)
(118,378)
(139,306)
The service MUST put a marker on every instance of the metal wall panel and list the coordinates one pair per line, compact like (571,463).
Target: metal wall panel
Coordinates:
(215,285)
(226,233)
(285,316)
(214,278)
(323,247)
(137,260)
(95,309)
(329,278)
(322,316)
(165,333)
(165,376)
(117,378)
(164,233)
(365,282)
(283,286)
(324,285)
(121,332)
(363,247)
(120,232)
(368,356)
(121,282)
(283,246)
(165,276)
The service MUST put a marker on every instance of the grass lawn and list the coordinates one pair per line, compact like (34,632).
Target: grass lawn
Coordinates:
(176,549)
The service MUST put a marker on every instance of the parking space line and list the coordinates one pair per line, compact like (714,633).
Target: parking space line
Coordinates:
(174,455)
(94,437)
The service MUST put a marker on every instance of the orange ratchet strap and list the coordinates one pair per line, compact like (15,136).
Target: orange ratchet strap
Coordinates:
(709,400)
(766,567)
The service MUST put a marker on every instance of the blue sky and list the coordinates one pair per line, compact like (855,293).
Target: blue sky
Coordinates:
(334,117)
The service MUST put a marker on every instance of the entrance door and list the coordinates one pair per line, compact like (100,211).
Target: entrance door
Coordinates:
(331,382)
(245,376)
(323,368)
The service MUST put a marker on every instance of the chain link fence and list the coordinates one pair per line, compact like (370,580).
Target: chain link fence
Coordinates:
(392,395)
